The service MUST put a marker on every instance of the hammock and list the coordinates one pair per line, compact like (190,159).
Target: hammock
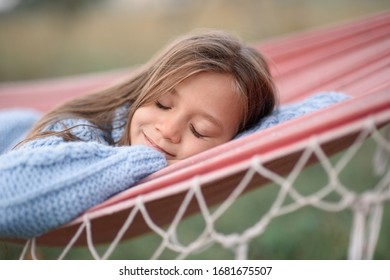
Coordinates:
(352,57)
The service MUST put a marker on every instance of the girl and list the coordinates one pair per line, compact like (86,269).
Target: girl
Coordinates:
(196,94)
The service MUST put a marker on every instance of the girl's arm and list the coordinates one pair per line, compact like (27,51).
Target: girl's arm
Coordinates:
(48,182)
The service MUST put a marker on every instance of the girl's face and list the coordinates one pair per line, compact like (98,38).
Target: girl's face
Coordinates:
(201,112)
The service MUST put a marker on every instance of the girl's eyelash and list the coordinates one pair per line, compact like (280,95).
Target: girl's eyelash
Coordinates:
(192,128)
(159,105)
(196,133)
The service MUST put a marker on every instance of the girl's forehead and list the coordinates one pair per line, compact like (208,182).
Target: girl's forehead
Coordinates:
(204,85)
(212,92)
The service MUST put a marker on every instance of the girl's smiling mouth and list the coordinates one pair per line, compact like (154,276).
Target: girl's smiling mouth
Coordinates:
(157,147)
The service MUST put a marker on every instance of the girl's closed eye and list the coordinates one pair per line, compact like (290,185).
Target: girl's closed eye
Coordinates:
(162,106)
(196,133)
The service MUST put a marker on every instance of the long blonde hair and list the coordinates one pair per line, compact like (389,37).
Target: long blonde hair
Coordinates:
(211,51)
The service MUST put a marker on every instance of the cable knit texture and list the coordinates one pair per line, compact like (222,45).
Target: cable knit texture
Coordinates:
(48,182)
(292,111)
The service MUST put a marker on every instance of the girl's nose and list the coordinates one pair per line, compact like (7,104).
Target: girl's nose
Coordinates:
(169,129)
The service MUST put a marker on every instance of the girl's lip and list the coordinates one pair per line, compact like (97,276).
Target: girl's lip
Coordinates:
(154,145)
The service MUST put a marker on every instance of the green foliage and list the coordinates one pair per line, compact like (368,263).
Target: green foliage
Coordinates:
(66,6)
(46,38)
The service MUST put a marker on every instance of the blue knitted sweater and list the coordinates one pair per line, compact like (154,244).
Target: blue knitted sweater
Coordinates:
(48,182)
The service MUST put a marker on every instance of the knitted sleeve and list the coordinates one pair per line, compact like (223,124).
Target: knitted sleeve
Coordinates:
(82,129)
(48,182)
(43,188)
(292,111)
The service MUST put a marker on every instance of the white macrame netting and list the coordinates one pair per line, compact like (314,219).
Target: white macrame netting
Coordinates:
(366,206)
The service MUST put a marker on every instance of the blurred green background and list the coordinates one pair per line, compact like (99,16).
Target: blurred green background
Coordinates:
(45,38)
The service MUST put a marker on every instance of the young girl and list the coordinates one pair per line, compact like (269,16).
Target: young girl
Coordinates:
(203,89)
(196,94)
